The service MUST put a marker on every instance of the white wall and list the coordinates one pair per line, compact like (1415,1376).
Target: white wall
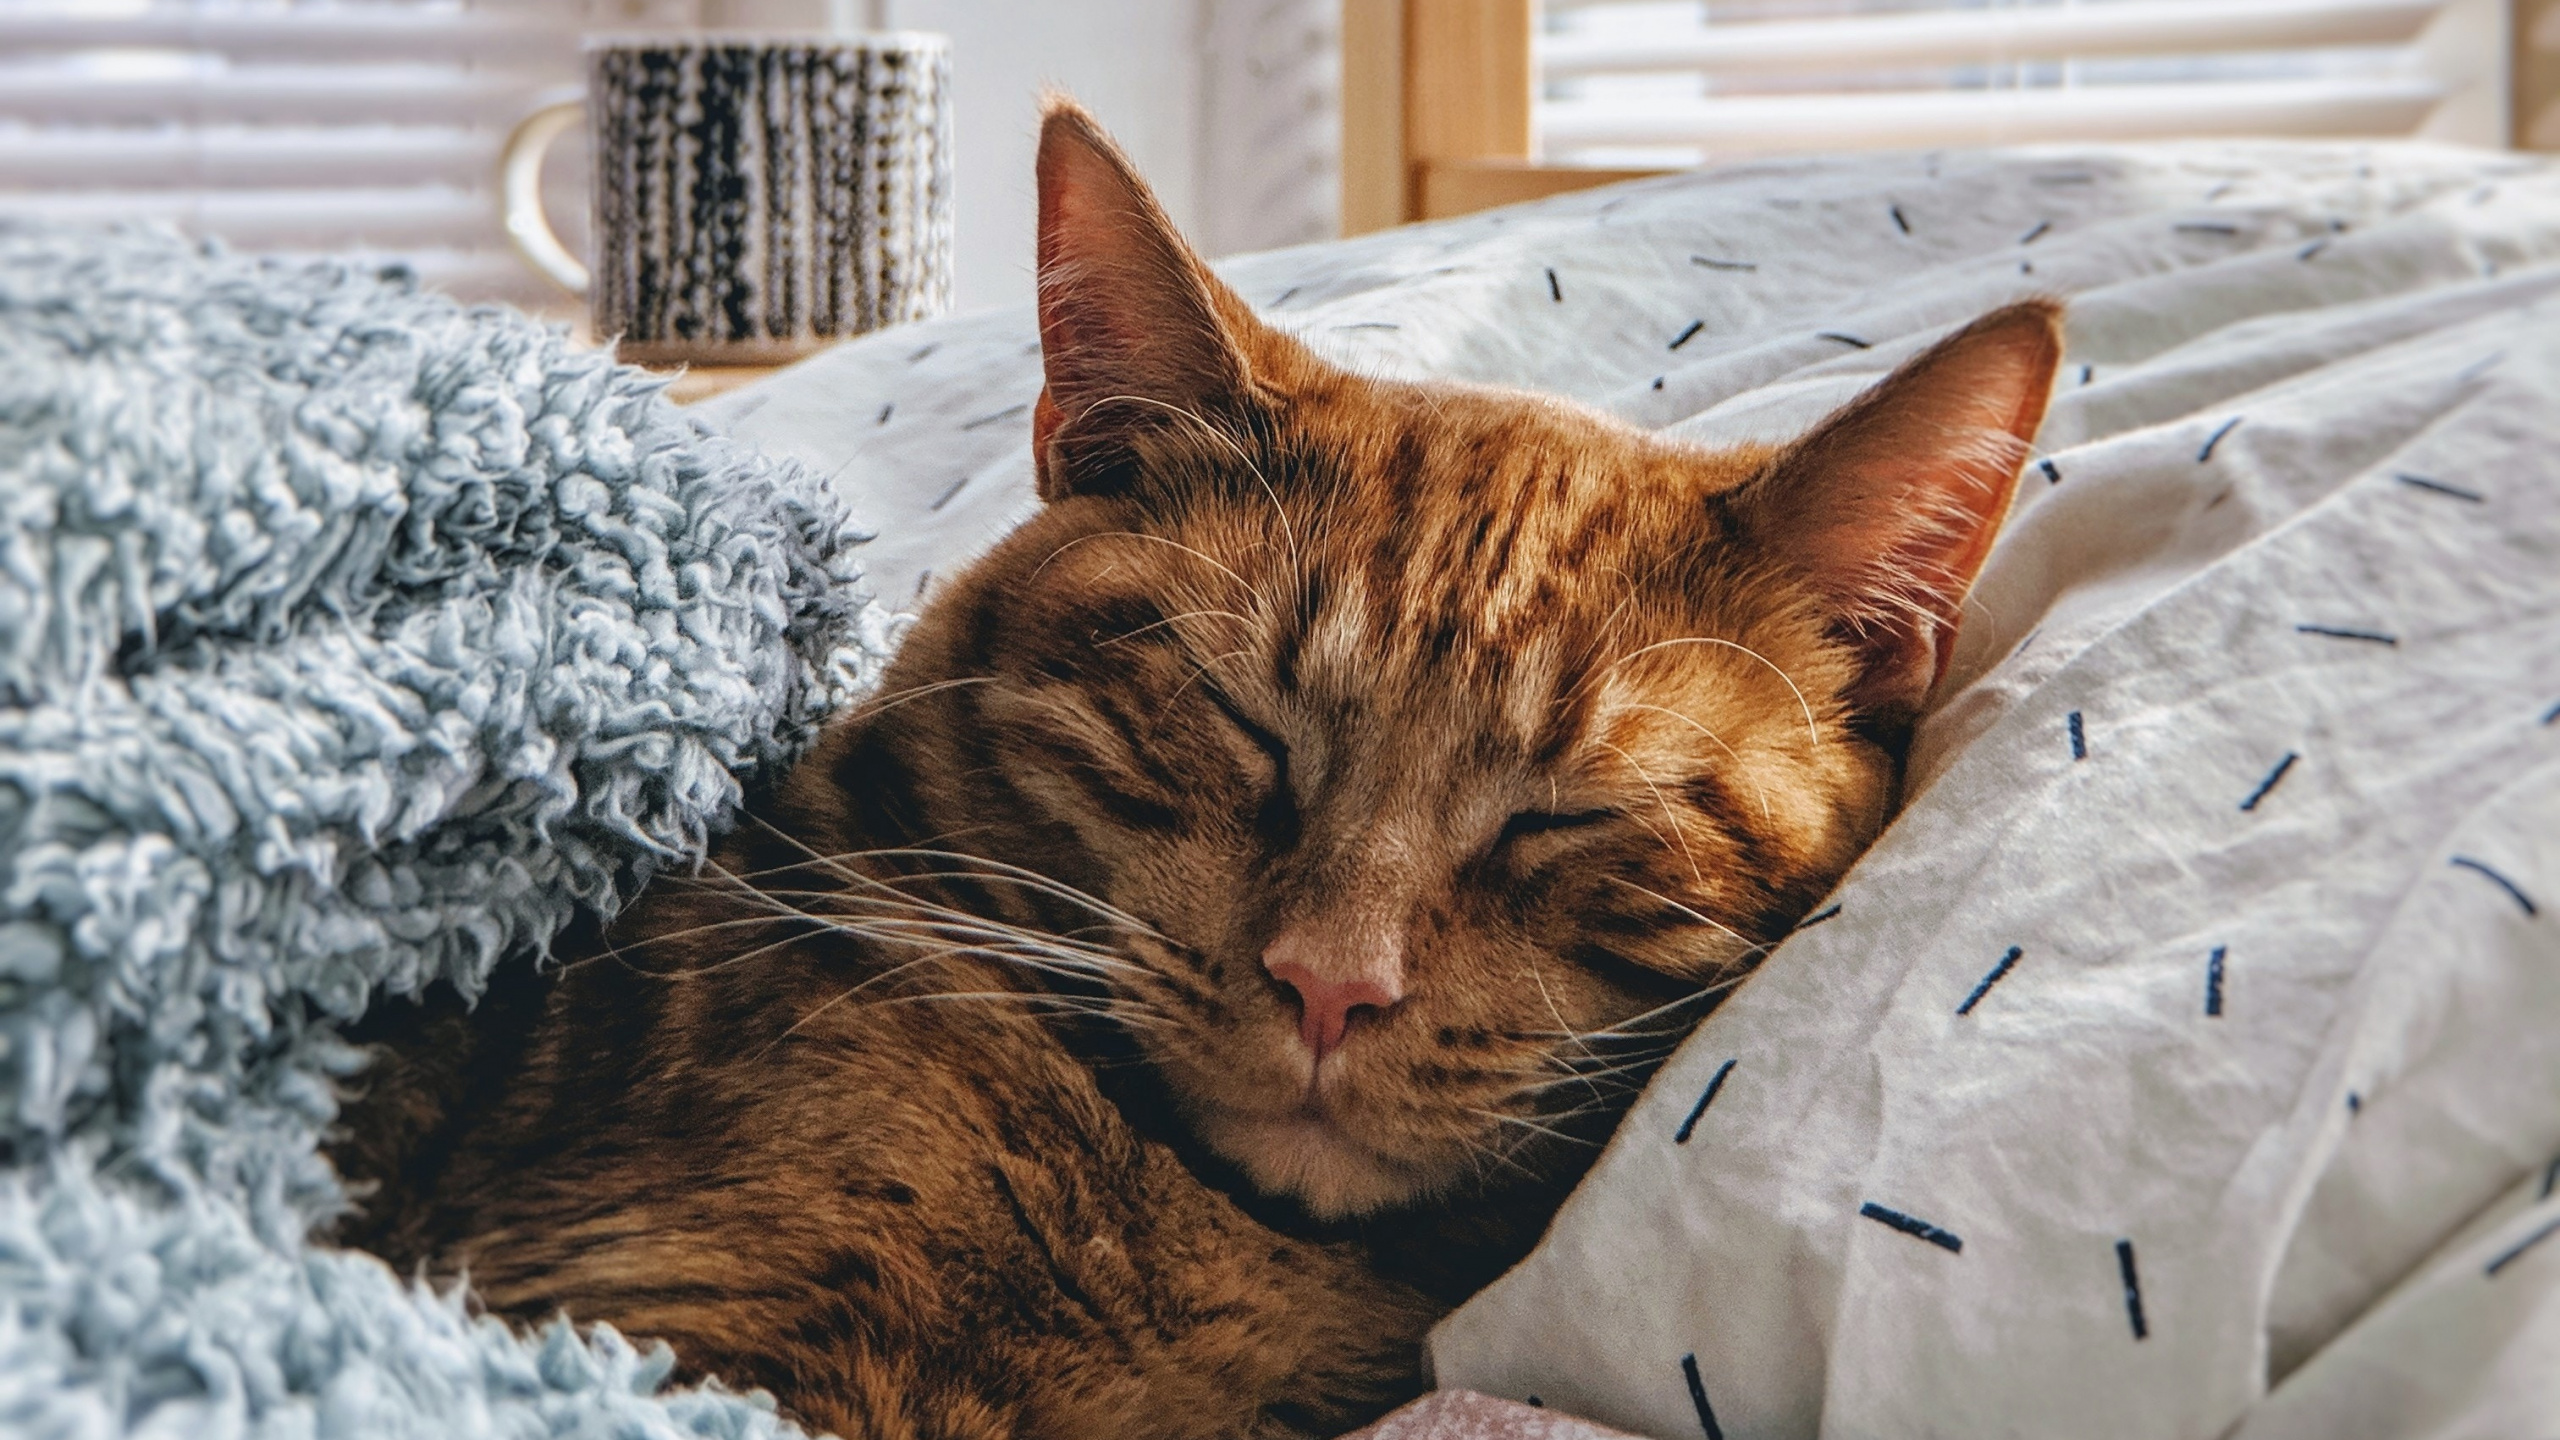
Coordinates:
(1134,63)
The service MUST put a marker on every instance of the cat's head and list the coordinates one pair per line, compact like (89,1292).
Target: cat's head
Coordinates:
(1441,744)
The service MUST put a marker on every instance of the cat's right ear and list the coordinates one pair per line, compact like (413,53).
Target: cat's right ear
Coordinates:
(1131,331)
(1889,507)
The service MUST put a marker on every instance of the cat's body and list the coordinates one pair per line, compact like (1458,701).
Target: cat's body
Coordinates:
(1258,887)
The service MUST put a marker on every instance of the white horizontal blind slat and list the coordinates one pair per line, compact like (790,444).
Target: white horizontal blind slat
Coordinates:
(265,219)
(1989,117)
(186,158)
(2128,27)
(304,34)
(272,95)
(1625,82)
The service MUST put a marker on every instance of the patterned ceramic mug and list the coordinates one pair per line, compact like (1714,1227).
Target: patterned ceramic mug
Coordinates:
(755,196)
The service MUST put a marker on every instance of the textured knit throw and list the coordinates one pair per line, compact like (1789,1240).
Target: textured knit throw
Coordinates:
(349,640)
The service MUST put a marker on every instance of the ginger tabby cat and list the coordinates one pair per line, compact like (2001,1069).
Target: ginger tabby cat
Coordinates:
(1259,886)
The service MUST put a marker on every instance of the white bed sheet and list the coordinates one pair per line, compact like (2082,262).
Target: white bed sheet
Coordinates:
(2249,755)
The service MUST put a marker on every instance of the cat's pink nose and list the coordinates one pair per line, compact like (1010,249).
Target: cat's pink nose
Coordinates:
(1334,982)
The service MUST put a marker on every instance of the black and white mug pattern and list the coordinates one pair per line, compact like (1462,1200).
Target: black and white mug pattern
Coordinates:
(758,197)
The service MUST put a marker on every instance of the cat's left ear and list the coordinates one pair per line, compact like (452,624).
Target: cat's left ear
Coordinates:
(1135,333)
(1890,506)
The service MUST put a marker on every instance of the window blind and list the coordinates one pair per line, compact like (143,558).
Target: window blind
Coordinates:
(1674,83)
(369,127)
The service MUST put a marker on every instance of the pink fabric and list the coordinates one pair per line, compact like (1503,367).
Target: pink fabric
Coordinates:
(1466,1415)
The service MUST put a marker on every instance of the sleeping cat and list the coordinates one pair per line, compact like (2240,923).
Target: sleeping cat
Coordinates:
(1259,885)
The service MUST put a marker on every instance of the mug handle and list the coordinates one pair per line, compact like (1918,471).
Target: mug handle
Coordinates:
(520,191)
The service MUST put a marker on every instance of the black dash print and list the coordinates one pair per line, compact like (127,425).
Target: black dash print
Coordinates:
(1370,325)
(2314,248)
(1917,1229)
(1657,382)
(2273,776)
(2216,438)
(2439,487)
(1899,223)
(2207,227)
(2052,472)
(945,497)
(2088,373)
(1817,917)
(2516,1251)
(2333,632)
(1555,291)
(1714,264)
(2514,891)
(1006,413)
(1534,1403)
(2079,737)
(2550,1177)
(886,411)
(1685,336)
(1698,1398)
(2037,233)
(2551,714)
(2026,267)
(1689,1126)
(919,355)
(2355,1103)
(1997,971)
(2213,982)
(1849,340)
(1284,297)
(2132,1290)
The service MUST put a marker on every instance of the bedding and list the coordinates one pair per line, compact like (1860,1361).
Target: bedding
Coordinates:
(2186,1060)
(349,641)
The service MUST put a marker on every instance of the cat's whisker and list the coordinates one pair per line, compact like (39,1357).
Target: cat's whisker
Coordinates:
(883,704)
(1261,601)
(1812,731)
(1753,949)
(1128,635)
(1693,723)
(1670,817)
(991,868)
(1223,438)
(1533,1126)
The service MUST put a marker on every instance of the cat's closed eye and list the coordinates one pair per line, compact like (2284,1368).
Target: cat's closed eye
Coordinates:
(1276,812)
(1547,822)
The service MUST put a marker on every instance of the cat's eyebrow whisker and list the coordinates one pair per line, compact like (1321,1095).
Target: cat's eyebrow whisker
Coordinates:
(1669,816)
(1812,731)
(1176,619)
(1223,438)
(1261,601)
(1693,723)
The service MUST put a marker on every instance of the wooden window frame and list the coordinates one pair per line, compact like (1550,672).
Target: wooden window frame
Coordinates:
(1436,100)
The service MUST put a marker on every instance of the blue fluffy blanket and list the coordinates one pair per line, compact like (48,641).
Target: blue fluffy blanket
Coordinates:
(349,640)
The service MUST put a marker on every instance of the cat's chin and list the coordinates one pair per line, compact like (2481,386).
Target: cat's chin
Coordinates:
(1309,1159)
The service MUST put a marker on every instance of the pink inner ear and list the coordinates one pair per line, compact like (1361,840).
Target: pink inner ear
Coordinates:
(1129,321)
(1891,505)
